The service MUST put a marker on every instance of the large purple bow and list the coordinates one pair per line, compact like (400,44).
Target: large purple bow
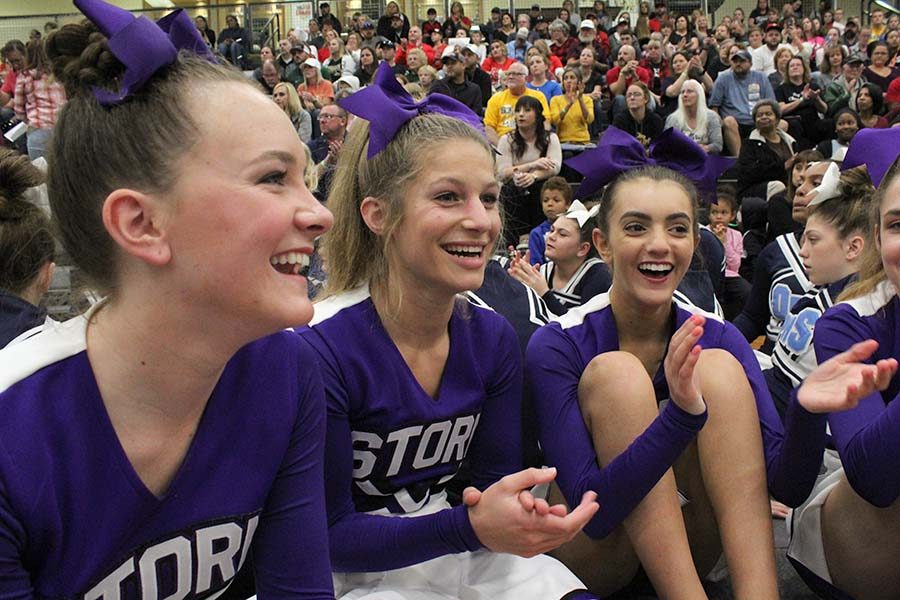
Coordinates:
(619,151)
(388,107)
(141,45)
(875,148)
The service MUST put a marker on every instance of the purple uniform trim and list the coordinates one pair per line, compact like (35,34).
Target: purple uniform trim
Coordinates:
(391,447)
(867,437)
(76,521)
(556,358)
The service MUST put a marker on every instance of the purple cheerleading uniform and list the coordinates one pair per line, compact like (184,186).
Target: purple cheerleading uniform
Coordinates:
(867,437)
(391,447)
(556,358)
(76,521)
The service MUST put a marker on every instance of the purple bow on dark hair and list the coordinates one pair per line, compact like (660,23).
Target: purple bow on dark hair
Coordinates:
(141,45)
(875,148)
(388,107)
(619,151)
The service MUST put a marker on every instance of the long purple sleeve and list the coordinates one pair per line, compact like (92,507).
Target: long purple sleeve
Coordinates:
(554,362)
(390,447)
(556,359)
(791,470)
(867,437)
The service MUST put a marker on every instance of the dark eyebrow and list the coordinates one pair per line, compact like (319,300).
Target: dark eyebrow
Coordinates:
(893,213)
(633,214)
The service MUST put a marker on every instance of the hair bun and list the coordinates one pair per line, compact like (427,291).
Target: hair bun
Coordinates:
(81,58)
(856,184)
(17,174)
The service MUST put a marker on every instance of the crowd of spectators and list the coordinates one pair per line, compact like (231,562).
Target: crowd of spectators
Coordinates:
(547,82)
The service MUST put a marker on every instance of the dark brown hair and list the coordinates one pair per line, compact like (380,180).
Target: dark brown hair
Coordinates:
(97,149)
(658,174)
(560,185)
(26,243)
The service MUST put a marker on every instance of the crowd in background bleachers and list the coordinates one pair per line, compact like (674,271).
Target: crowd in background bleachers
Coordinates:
(781,93)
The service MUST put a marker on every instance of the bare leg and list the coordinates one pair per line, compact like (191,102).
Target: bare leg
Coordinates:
(729,449)
(862,544)
(732,135)
(618,403)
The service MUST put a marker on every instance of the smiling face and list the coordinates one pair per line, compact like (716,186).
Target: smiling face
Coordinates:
(564,241)
(879,55)
(806,192)
(650,240)
(450,222)
(413,62)
(845,128)
(243,223)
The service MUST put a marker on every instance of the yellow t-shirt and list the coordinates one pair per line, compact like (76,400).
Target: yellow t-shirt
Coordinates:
(501,109)
(573,127)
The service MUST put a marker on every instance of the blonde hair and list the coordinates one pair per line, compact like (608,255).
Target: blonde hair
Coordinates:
(355,254)
(415,90)
(293,103)
(423,58)
(871,271)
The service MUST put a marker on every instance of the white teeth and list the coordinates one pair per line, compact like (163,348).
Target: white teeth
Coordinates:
(291,258)
(473,249)
(655,267)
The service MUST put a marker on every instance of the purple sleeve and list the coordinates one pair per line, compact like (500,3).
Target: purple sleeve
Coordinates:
(496,449)
(553,365)
(291,545)
(868,436)
(15,582)
(791,469)
(363,542)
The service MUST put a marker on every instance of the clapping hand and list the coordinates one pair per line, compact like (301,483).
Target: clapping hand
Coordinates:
(681,359)
(843,380)
(507,518)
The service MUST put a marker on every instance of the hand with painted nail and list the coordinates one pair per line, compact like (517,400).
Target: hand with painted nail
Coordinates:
(681,359)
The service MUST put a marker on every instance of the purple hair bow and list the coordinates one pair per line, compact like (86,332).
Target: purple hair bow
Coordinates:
(141,45)
(388,107)
(875,148)
(618,151)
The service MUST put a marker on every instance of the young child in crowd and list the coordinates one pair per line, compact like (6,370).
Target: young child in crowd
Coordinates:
(734,287)
(574,274)
(556,198)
